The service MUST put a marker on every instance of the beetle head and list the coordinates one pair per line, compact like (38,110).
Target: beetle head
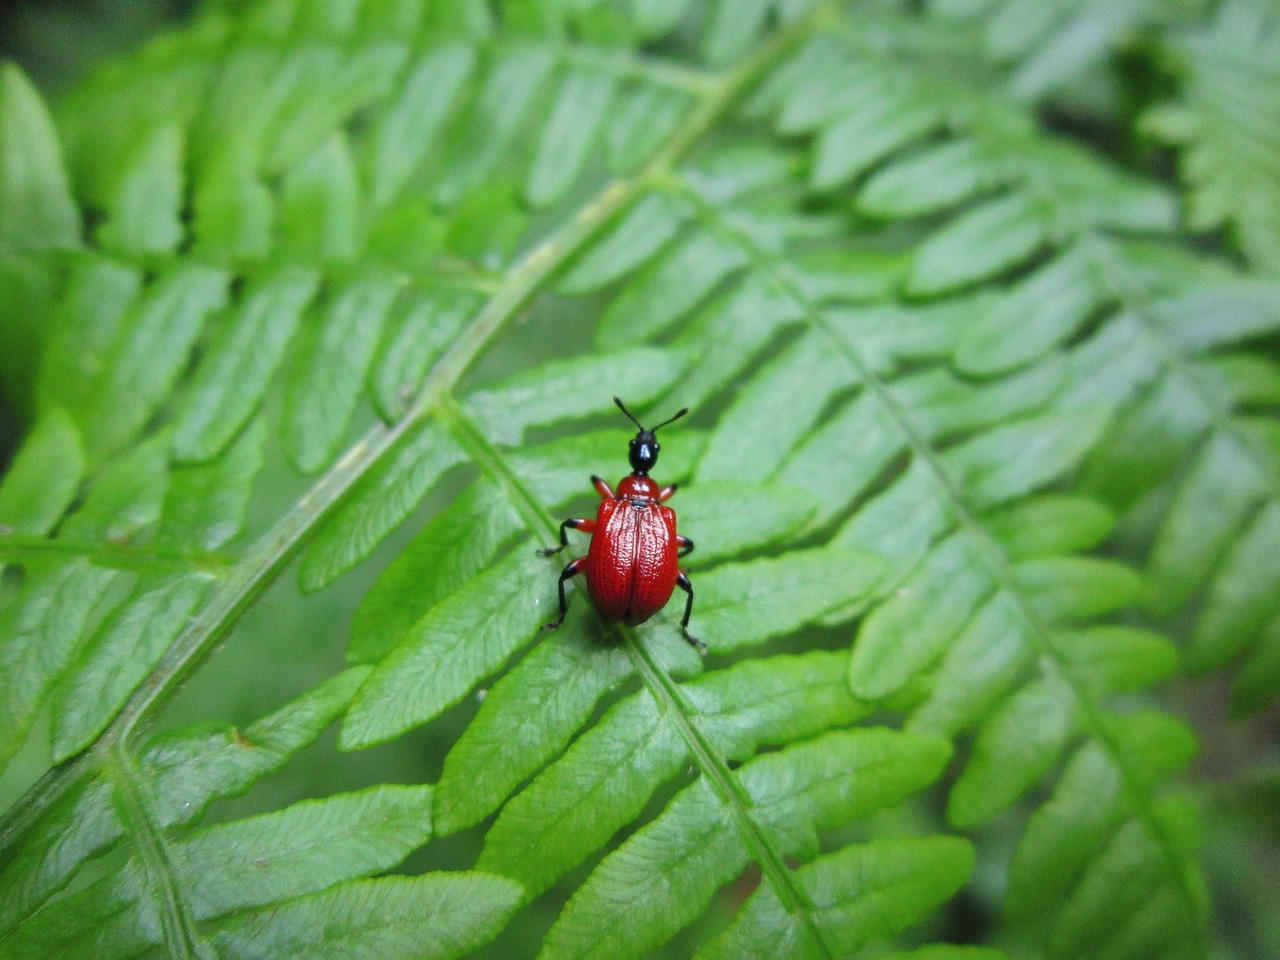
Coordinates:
(643,452)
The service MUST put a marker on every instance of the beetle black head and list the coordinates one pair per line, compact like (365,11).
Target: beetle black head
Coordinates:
(643,452)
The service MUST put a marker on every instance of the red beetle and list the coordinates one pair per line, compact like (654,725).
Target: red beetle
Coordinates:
(632,565)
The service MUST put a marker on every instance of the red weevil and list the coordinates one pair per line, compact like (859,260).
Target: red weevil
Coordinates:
(632,565)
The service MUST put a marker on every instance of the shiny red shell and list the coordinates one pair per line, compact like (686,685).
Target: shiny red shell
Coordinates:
(633,563)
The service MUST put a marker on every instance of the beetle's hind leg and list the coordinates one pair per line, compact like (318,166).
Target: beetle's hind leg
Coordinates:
(683,583)
(574,523)
(571,570)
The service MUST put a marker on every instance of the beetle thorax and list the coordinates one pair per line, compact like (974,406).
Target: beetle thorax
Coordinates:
(637,487)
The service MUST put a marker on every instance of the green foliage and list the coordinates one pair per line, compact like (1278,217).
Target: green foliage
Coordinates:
(983,453)
(848,890)
(1227,120)
(36,206)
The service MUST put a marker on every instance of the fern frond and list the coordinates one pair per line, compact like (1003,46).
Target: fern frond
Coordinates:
(1049,48)
(667,872)
(36,205)
(923,337)
(1227,124)
(436,915)
(858,893)
(187,770)
(972,570)
(230,868)
(577,803)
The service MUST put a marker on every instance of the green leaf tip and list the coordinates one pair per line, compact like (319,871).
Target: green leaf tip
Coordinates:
(37,211)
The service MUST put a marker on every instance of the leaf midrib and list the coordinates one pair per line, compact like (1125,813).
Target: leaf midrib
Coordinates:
(182,936)
(712,764)
(993,554)
(267,558)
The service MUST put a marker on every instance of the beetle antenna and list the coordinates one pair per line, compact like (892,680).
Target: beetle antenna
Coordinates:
(628,413)
(683,411)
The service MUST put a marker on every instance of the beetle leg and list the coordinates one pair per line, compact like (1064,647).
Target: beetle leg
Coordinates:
(602,488)
(571,570)
(666,493)
(575,523)
(685,545)
(683,583)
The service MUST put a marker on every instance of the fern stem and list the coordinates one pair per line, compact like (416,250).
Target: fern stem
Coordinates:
(263,563)
(725,91)
(993,554)
(182,937)
(490,461)
(712,765)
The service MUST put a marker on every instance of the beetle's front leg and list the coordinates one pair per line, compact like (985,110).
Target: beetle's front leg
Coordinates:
(602,488)
(683,583)
(684,545)
(666,493)
(574,523)
(571,570)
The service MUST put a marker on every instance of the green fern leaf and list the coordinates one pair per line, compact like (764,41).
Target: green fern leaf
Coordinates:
(570,132)
(320,206)
(126,497)
(206,505)
(356,283)
(666,873)
(36,205)
(589,794)
(329,369)
(669,288)
(94,301)
(234,375)
(149,354)
(44,627)
(858,893)
(438,916)
(189,769)
(525,720)
(1065,838)
(426,322)
(229,868)
(379,507)
(138,634)
(638,236)
(460,642)
(144,212)
(44,478)
(1230,156)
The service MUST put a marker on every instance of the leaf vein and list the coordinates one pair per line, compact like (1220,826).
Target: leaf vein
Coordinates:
(989,549)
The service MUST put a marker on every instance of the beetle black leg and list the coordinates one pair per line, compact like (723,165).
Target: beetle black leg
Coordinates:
(685,545)
(574,523)
(571,570)
(683,583)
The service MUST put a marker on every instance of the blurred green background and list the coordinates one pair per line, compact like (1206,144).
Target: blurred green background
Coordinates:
(56,40)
